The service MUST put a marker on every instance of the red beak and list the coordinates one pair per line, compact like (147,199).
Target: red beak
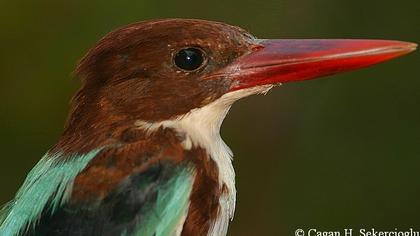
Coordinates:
(280,61)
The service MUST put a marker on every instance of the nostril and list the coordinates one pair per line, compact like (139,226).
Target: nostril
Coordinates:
(256,47)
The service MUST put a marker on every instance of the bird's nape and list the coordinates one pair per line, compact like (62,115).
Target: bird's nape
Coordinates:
(141,153)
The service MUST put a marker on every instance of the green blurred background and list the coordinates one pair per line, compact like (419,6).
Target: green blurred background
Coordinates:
(328,154)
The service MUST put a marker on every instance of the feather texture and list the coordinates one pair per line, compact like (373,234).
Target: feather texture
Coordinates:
(132,188)
(47,186)
(167,216)
(151,203)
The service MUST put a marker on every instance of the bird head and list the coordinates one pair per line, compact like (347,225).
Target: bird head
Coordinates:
(163,69)
(157,70)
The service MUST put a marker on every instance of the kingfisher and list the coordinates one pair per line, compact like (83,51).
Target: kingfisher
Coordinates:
(141,153)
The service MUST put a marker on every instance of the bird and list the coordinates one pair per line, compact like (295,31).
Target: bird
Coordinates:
(141,153)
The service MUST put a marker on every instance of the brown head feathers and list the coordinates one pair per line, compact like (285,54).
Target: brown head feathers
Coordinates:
(130,74)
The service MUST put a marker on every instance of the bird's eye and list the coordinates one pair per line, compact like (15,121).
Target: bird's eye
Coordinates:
(189,59)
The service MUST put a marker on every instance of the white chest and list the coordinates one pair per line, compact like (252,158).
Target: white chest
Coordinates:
(202,128)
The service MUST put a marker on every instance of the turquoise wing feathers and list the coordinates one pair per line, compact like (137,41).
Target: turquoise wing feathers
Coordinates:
(162,204)
(48,184)
(166,216)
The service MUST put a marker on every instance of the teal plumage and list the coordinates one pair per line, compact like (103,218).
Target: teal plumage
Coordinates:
(141,152)
(170,207)
(48,185)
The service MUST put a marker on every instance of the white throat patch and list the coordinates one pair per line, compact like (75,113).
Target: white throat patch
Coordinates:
(202,128)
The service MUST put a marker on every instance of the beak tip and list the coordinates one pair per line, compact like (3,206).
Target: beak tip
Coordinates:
(405,47)
(281,61)
(411,47)
(401,48)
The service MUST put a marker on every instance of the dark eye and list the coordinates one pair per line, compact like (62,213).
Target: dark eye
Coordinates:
(189,58)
